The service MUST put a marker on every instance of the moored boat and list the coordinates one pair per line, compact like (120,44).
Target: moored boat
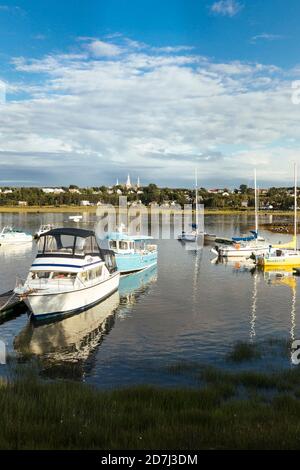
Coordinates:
(70,273)
(10,236)
(282,255)
(132,252)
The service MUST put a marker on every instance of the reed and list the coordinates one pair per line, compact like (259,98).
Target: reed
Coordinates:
(69,415)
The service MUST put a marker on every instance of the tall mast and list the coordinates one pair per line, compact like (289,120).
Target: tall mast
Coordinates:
(196,198)
(256,203)
(295,205)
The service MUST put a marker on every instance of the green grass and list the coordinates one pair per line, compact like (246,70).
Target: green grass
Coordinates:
(243,352)
(69,415)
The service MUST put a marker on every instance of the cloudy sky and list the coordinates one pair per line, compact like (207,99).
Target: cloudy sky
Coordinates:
(91,90)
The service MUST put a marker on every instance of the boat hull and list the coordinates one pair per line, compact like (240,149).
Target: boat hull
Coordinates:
(273,262)
(43,306)
(133,262)
(241,252)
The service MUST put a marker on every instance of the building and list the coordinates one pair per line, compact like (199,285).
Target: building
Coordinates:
(22,203)
(74,191)
(53,190)
(85,203)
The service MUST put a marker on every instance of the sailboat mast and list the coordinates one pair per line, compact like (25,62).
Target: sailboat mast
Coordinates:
(295,206)
(255,202)
(196,199)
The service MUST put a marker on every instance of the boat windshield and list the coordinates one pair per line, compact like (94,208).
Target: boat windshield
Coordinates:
(62,244)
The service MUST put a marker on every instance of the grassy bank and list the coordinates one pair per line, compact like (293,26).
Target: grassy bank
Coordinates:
(242,410)
(93,210)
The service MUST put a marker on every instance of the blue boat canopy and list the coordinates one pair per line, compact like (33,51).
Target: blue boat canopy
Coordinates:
(246,239)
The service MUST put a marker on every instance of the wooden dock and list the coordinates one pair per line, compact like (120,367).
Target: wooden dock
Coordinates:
(10,304)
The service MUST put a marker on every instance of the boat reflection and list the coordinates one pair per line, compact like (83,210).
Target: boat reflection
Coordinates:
(133,286)
(67,347)
(71,340)
(284,277)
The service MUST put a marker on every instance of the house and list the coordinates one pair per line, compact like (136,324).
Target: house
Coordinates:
(53,190)
(85,203)
(22,203)
(244,204)
(74,191)
(7,191)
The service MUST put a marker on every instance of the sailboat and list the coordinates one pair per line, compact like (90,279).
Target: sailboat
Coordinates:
(193,234)
(283,254)
(249,246)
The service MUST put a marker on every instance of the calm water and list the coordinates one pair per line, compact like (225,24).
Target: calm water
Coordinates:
(187,310)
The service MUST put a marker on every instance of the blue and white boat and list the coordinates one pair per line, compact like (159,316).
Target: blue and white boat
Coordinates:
(132,252)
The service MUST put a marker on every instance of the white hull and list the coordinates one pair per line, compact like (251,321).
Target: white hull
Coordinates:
(58,304)
(246,252)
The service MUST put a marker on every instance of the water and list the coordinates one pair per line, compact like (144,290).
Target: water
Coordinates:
(188,310)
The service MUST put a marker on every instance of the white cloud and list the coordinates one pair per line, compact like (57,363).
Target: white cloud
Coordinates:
(266,37)
(87,119)
(103,49)
(226,7)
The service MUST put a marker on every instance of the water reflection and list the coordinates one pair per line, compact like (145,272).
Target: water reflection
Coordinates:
(285,278)
(73,341)
(135,285)
(70,340)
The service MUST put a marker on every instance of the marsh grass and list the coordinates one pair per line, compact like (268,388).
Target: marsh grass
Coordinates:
(243,351)
(70,415)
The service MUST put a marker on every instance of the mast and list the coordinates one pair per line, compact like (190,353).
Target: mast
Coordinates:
(256,203)
(295,206)
(196,199)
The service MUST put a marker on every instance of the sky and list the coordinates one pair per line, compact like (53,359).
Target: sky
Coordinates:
(93,90)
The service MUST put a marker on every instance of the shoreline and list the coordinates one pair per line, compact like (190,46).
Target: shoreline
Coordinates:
(93,210)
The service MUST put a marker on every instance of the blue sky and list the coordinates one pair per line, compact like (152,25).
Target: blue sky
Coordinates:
(97,89)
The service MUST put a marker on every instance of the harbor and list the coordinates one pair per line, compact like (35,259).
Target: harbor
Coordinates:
(174,313)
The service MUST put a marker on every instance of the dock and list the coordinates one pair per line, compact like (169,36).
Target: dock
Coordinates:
(10,304)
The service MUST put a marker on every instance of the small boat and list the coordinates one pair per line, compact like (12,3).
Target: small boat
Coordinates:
(246,246)
(10,236)
(43,229)
(133,252)
(75,218)
(192,236)
(71,273)
(283,255)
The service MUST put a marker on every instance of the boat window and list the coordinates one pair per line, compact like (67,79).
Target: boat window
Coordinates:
(40,274)
(63,275)
(123,245)
(94,273)
(113,244)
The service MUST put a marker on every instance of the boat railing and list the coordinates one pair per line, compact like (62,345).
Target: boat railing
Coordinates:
(51,284)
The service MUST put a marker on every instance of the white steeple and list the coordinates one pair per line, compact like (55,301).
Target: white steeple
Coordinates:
(128,182)
(138,184)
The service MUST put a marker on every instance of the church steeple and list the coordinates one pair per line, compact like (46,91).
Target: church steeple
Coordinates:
(128,182)
(138,184)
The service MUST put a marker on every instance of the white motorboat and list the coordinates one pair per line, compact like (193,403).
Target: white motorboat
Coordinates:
(10,236)
(240,250)
(43,229)
(71,273)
